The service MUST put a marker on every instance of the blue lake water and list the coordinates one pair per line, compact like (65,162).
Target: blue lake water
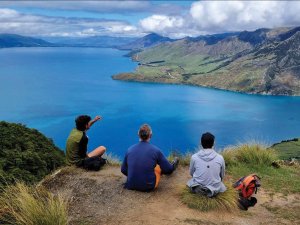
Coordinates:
(46,88)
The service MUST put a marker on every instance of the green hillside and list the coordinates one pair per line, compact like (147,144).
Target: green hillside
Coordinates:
(26,154)
(288,149)
(261,62)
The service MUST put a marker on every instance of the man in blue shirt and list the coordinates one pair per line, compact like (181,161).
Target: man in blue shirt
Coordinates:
(144,163)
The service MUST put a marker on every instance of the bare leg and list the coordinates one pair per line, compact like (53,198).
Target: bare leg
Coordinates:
(97,152)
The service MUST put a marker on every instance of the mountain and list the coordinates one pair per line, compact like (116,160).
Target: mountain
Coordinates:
(264,61)
(14,40)
(26,154)
(147,41)
(94,41)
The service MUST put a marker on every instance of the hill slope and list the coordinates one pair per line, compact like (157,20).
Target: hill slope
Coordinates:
(288,149)
(265,61)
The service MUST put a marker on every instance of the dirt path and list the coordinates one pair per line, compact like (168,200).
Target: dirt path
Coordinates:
(99,198)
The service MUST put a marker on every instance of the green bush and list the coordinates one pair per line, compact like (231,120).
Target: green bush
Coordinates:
(26,154)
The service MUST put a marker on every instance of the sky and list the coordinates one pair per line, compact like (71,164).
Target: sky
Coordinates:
(174,19)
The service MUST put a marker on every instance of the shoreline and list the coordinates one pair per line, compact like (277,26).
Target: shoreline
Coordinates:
(116,77)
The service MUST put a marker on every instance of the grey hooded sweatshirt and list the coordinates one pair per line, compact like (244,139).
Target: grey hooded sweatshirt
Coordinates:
(208,170)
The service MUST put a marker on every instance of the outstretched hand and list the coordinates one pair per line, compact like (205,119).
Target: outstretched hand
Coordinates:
(94,120)
(97,118)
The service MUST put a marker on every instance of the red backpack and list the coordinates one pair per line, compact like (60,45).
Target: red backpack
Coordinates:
(247,185)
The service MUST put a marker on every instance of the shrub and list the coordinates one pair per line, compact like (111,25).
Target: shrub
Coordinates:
(226,201)
(26,154)
(28,205)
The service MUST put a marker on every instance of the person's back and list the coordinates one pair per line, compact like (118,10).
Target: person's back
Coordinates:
(143,164)
(76,147)
(207,168)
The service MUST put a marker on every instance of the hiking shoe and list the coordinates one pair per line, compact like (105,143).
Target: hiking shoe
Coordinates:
(175,162)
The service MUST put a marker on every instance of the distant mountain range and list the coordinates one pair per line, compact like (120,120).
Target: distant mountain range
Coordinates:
(147,41)
(94,41)
(13,40)
(122,43)
(264,61)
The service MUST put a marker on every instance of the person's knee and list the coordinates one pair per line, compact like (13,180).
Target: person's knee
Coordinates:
(103,148)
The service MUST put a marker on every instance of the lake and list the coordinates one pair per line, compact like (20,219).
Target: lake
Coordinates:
(46,88)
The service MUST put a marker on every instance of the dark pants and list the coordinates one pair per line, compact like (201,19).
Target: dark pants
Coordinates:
(201,190)
(92,163)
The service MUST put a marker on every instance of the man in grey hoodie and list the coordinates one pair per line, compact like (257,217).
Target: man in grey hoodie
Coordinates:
(207,168)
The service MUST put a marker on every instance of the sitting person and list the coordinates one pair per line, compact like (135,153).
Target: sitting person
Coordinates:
(207,169)
(144,163)
(76,149)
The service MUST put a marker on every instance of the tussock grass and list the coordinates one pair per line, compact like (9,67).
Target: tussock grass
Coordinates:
(226,201)
(28,205)
(246,159)
(254,154)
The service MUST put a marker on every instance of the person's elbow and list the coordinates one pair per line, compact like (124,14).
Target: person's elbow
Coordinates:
(168,170)
(124,170)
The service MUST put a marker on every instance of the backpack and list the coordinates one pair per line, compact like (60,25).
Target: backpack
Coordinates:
(247,185)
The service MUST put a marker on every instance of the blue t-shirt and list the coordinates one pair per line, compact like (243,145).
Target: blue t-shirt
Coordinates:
(139,163)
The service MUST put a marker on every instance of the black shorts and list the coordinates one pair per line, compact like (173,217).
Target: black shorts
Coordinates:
(92,163)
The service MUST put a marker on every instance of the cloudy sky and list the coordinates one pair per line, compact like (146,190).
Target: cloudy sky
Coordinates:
(174,19)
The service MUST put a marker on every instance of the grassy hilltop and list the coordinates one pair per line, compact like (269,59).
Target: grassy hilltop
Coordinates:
(75,196)
(263,61)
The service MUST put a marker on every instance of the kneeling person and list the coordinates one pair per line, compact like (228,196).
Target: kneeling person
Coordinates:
(76,149)
(207,169)
(144,163)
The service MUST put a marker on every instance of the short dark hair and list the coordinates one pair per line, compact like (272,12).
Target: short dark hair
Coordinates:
(145,131)
(207,140)
(82,121)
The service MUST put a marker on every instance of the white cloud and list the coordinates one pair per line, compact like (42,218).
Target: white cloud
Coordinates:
(93,6)
(162,24)
(208,17)
(203,17)
(110,6)
(12,21)
(220,16)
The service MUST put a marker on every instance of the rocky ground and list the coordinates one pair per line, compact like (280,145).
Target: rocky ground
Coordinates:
(99,198)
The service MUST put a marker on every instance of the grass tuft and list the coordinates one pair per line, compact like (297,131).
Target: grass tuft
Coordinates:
(28,205)
(249,154)
(226,201)
(113,160)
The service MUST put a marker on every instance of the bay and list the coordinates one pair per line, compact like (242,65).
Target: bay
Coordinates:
(46,88)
